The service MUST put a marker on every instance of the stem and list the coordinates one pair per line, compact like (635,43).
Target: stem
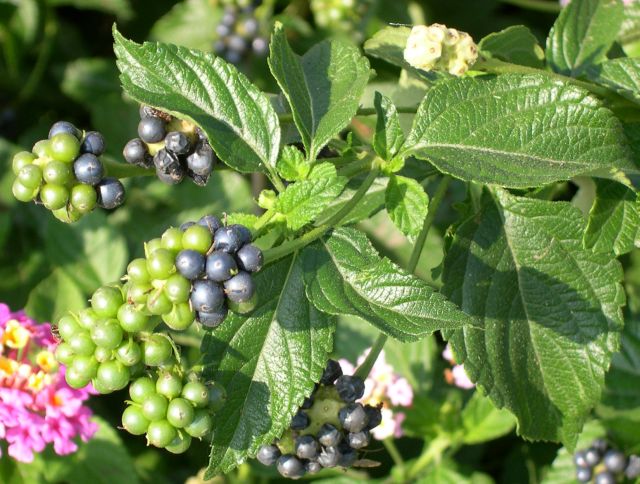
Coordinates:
(432,451)
(539,5)
(288,117)
(296,244)
(428,220)
(364,369)
(124,170)
(393,452)
(276,180)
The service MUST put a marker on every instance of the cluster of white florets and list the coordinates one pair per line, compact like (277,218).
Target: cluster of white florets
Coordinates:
(436,47)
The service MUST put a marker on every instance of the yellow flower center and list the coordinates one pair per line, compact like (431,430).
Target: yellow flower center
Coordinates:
(15,335)
(7,366)
(37,381)
(46,361)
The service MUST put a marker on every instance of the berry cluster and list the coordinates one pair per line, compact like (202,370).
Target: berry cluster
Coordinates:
(170,410)
(604,465)
(328,430)
(191,272)
(436,47)
(65,174)
(338,15)
(239,35)
(175,147)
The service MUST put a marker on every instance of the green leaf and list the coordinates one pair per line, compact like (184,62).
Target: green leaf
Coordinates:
(621,75)
(407,204)
(371,203)
(515,44)
(92,251)
(345,275)
(120,8)
(517,131)
(238,119)
(551,312)
(268,362)
(54,297)
(563,470)
(614,220)
(323,87)
(302,201)
(388,136)
(583,34)
(388,44)
(189,24)
(446,472)
(102,460)
(483,422)
(291,165)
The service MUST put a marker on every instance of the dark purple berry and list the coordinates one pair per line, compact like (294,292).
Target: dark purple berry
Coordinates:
(64,127)
(186,225)
(151,129)
(250,258)
(110,193)
(167,162)
(177,142)
(329,457)
(583,474)
(312,467)
(260,46)
(306,447)
(236,43)
(190,263)
(201,161)
(289,466)
(600,445)
(93,143)
(300,421)
(244,233)
(352,417)
(374,416)
(307,403)
(614,460)
(331,373)
(88,169)
(359,440)
(240,288)
(605,477)
(268,455)
(348,457)
(329,436)
(206,296)
(227,239)
(136,153)
(350,388)
(213,319)
(211,222)
(592,457)
(220,266)
(579,459)
(172,178)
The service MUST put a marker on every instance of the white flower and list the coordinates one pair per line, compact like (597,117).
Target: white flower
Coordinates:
(421,50)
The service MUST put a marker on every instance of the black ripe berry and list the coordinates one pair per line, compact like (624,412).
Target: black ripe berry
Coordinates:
(312,467)
(306,447)
(583,474)
(290,466)
(331,373)
(240,288)
(227,239)
(268,455)
(136,153)
(250,258)
(190,263)
(206,296)
(359,440)
(220,266)
(300,421)
(64,127)
(352,417)
(329,457)
(350,388)
(615,461)
(110,193)
(201,161)
(605,477)
(93,143)
(329,436)
(151,129)
(88,169)
(211,222)
(374,416)
(213,319)
(177,142)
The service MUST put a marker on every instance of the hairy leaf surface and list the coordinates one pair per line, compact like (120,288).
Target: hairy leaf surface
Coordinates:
(515,44)
(407,204)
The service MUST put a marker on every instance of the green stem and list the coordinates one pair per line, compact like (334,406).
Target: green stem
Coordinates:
(304,240)
(428,221)
(276,181)
(550,6)
(432,451)
(288,117)
(364,369)
(123,170)
(393,452)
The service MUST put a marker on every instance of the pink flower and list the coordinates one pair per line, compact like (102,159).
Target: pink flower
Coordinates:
(460,378)
(400,393)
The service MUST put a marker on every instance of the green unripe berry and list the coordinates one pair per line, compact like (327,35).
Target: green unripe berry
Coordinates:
(75,379)
(158,303)
(102,354)
(177,288)
(129,353)
(139,293)
(64,147)
(20,160)
(160,264)
(134,421)
(169,384)
(82,344)
(154,407)
(157,350)
(172,239)
(30,176)
(42,149)
(196,393)
(151,246)
(67,214)
(201,424)
(86,366)
(57,172)
(84,198)
(113,375)
(22,193)
(180,444)
(141,389)
(197,238)
(64,354)
(180,412)
(106,301)
(67,327)
(54,196)
(217,396)
(87,318)
(131,319)
(107,334)
(161,433)
(137,271)
(180,317)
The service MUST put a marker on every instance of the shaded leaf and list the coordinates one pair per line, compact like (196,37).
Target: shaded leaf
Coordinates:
(407,204)
(515,44)
(189,24)
(621,75)
(54,297)
(388,136)
(482,421)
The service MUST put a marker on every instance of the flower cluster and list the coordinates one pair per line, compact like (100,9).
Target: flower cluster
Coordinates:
(37,407)
(338,15)
(436,47)
(457,375)
(386,388)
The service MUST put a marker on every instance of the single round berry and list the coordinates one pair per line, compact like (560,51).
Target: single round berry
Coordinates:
(312,467)
(161,433)
(260,46)
(249,27)
(359,440)
(180,444)
(240,288)
(605,477)
(190,263)
(64,147)
(76,379)
(131,319)
(583,474)
(329,457)
(614,460)
(227,239)
(84,198)
(177,289)
(180,413)
(350,388)
(22,159)
(374,416)
(300,421)
(331,373)
(82,344)
(217,396)
(151,129)
(110,193)
(54,196)
(64,127)
(250,258)
(154,407)
(268,455)
(57,172)
(88,169)
(172,239)
(102,354)
(139,293)
(197,238)
(152,245)
(592,456)
(129,353)
(579,459)
(329,436)
(64,354)
(160,264)
(213,319)
(137,271)
(68,326)
(173,177)
(306,447)
(158,303)
(289,466)
(201,161)
(180,317)
(211,222)
(30,176)
(42,148)
(137,153)
(113,375)
(167,162)
(107,334)
(348,456)
(106,301)
(220,266)
(88,318)
(177,142)
(352,417)
(186,225)
(22,193)
(201,424)
(141,389)
(134,421)
(600,445)
(196,393)
(236,43)
(169,384)
(86,366)
(206,296)
(93,143)
(157,350)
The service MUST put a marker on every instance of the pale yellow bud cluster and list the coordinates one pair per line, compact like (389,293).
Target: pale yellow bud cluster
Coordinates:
(337,15)
(436,47)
